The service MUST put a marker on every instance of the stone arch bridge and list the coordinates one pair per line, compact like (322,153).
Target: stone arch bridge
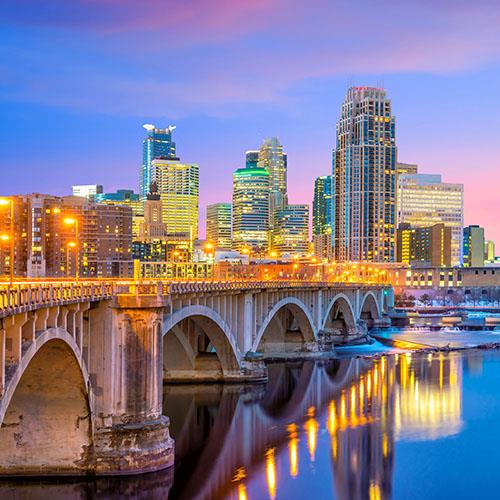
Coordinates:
(82,364)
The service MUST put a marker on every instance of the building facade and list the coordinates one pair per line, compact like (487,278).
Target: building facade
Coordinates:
(250,215)
(424,246)
(290,234)
(251,158)
(88,191)
(157,144)
(218,224)
(364,175)
(178,187)
(322,205)
(473,246)
(489,251)
(126,198)
(424,200)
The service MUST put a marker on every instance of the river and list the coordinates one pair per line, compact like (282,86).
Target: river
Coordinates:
(400,425)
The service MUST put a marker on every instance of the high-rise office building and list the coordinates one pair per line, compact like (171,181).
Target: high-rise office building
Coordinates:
(250,217)
(251,158)
(489,251)
(424,200)
(219,224)
(88,191)
(322,205)
(473,246)
(424,246)
(178,187)
(157,144)
(290,234)
(364,175)
(274,160)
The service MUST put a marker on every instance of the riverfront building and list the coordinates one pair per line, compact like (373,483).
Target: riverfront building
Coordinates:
(291,230)
(157,144)
(178,188)
(364,175)
(424,246)
(218,224)
(250,217)
(473,249)
(424,200)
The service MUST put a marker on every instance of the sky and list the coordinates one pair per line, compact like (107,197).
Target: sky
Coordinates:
(79,79)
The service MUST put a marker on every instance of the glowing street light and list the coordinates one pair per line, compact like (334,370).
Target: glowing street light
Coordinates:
(72,221)
(10,236)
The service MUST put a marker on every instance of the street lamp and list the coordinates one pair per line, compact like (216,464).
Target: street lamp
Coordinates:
(71,221)
(10,236)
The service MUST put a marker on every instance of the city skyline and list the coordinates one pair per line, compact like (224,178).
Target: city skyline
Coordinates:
(95,129)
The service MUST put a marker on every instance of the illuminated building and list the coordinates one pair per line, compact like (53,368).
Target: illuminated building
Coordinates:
(157,144)
(473,249)
(489,251)
(178,187)
(290,234)
(274,160)
(424,246)
(152,227)
(364,175)
(251,158)
(218,224)
(42,238)
(88,191)
(424,200)
(127,198)
(250,215)
(322,217)
(406,168)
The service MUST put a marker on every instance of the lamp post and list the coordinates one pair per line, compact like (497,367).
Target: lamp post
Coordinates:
(71,221)
(10,236)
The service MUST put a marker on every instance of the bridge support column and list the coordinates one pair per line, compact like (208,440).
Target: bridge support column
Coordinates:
(131,434)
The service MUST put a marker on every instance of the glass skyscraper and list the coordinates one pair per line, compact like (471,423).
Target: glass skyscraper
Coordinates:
(291,230)
(364,175)
(218,224)
(251,209)
(158,144)
(322,205)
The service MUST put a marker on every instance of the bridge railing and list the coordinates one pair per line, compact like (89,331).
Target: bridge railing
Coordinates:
(30,295)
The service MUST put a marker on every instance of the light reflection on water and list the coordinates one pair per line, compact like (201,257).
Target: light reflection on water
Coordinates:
(401,426)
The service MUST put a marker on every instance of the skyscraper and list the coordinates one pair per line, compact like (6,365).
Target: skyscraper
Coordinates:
(251,209)
(178,187)
(152,228)
(322,205)
(291,230)
(473,250)
(274,160)
(157,144)
(219,224)
(364,173)
(424,200)
(251,158)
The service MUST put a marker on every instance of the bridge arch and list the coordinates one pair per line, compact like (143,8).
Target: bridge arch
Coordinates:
(369,310)
(288,322)
(340,314)
(196,338)
(46,420)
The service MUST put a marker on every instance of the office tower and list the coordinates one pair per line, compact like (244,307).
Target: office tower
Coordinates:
(152,227)
(473,249)
(157,144)
(250,227)
(364,174)
(322,217)
(251,159)
(489,251)
(219,224)
(291,230)
(127,198)
(424,200)
(274,160)
(88,191)
(178,187)
(424,246)
(45,245)
(406,168)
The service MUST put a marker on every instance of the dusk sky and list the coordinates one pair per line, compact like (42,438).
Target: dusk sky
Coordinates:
(79,78)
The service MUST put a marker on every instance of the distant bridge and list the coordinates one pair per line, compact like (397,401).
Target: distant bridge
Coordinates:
(82,364)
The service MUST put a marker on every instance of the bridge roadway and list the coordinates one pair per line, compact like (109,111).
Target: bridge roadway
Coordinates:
(82,364)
